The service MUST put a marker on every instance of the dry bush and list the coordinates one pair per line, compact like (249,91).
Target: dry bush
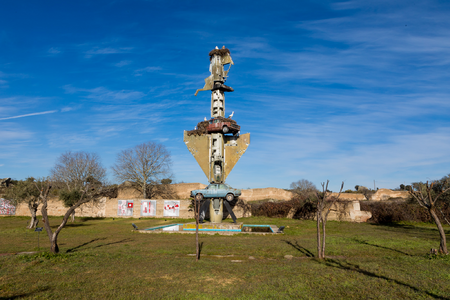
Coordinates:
(304,209)
(396,211)
(111,191)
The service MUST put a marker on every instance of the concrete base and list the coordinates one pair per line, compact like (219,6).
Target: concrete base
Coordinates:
(214,226)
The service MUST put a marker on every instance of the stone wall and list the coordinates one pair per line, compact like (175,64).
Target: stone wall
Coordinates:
(349,211)
(385,194)
(350,196)
(56,208)
(379,195)
(108,207)
(183,190)
(265,193)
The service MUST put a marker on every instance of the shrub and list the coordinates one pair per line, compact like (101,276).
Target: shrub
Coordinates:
(396,211)
(305,209)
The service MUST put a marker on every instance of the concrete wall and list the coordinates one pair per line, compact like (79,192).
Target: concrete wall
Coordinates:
(107,207)
(349,196)
(379,195)
(183,190)
(385,194)
(266,193)
(349,211)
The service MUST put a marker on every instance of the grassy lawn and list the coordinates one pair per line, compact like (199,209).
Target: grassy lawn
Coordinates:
(104,258)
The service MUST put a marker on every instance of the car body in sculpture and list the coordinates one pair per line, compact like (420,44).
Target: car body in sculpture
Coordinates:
(224,125)
(216,190)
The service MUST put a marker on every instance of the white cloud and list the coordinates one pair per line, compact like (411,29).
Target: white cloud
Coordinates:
(104,95)
(73,141)
(9,134)
(66,109)
(140,72)
(123,63)
(53,51)
(107,50)
(29,115)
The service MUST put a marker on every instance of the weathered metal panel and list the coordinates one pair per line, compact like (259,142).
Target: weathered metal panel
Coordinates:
(234,148)
(199,146)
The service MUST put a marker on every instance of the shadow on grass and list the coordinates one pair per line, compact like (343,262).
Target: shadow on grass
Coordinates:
(113,243)
(300,248)
(398,225)
(200,247)
(23,295)
(422,232)
(70,225)
(354,267)
(363,242)
(429,226)
(82,245)
(85,219)
(74,249)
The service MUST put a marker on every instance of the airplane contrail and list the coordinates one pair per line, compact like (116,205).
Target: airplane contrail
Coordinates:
(29,115)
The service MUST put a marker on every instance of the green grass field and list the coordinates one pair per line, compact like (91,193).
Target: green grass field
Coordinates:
(104,258)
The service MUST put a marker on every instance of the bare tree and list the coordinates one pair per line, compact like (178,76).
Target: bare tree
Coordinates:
(73,168)
(72,171)
(427,198)
(304,188)
(197,205)
(324,205)
(24,191)
(93,190)
(145,164)
(365,191)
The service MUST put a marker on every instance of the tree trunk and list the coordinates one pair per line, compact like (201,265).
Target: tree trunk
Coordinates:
(73,217)
(53,236)
(443,244)
(33,210)
(54,243)
(144,187)
(48,229)
(324,223)
(197,220)
(319,216)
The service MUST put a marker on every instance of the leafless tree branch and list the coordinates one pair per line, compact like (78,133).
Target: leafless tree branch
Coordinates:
(143,164)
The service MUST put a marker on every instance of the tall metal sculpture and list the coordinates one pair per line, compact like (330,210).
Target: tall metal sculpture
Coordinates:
(214,144)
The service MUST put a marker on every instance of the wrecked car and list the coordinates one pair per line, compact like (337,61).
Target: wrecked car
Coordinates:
(218,124)
(216,190)
(223,125)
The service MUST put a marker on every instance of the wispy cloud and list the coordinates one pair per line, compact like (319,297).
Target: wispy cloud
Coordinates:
(105,95)
(3,83)
(123,63)
(66,109)
(29,115)
(106,50)
(140,72)
(53,51)
(72,140)
(9,133)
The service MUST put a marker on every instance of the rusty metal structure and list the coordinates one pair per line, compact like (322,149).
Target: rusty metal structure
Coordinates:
(217,152)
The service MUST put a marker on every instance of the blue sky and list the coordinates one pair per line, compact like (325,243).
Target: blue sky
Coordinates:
(352,91)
